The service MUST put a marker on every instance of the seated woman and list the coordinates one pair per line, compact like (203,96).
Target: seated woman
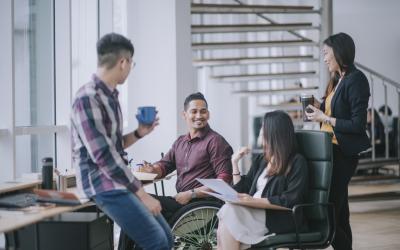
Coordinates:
(279,177)
(379,132)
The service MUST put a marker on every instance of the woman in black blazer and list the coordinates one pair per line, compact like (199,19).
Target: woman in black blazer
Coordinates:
(343,112)
(279,177)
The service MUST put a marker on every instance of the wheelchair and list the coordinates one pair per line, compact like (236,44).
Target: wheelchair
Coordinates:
(194,226)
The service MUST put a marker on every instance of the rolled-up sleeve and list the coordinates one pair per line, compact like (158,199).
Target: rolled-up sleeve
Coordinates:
(220,158)
(87,118)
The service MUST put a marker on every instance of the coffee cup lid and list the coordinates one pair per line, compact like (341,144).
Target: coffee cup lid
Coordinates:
(306,96)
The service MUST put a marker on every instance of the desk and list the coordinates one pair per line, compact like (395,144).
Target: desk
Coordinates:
(12,220)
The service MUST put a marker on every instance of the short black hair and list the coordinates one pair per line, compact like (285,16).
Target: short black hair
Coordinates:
(194,96)
(382,110)
(111,47)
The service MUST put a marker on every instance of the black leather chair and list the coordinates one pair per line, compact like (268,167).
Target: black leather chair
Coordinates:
(316,147)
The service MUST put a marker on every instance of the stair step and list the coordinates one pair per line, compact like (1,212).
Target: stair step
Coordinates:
(276,91)
(262,77)
(253,60)
(253,44)
(251,9)
(283,106)
(202,29)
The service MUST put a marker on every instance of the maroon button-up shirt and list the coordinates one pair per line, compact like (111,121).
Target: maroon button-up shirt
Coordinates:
(207,155)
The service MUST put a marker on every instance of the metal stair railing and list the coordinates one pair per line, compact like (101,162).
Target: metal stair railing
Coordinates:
(385,81)
(259,11)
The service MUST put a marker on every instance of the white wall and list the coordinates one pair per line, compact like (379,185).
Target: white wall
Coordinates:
(374,26)
(163,76)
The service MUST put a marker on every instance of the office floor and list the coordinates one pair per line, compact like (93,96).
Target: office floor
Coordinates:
(375,223)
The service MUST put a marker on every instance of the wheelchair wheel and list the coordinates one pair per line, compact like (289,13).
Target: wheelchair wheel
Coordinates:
(195,226)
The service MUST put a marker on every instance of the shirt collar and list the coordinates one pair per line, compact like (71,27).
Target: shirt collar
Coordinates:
(103,86)
(203,132)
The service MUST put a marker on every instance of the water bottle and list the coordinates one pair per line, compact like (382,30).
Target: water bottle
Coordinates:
(47,173)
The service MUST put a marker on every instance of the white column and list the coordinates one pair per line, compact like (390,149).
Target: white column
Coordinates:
(84,24)
(63,67)
(163,76)
(106,16)
(326,30)
(7,139)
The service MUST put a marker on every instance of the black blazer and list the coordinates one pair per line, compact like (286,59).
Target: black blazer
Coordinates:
(283,190)
(349,107)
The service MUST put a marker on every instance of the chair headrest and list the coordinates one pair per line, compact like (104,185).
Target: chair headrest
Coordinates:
(314,145)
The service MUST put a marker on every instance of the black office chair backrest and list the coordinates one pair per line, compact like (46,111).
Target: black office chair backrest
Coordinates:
(316,147)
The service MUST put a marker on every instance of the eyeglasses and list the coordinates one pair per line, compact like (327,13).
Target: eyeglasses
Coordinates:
(130,60)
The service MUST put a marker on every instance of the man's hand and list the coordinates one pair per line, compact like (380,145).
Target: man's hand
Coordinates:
(151,203)
(183,198)
(147,167)
(144,130)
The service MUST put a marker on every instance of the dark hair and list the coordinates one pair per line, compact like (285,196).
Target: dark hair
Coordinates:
(111,47)
(280,141)
(344,51)
(382,110)
(194,96)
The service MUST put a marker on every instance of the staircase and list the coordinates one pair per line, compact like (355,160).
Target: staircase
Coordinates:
(271,54)
(268,53)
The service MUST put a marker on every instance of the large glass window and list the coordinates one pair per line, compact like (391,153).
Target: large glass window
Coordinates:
(30,149)
(34,81)
(34,64)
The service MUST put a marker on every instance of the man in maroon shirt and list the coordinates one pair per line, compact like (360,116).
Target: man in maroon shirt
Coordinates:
(202,153)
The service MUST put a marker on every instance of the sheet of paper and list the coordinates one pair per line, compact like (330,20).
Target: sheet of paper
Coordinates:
(218,186)
(226,198)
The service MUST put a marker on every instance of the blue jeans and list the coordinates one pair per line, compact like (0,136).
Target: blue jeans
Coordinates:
(125,209)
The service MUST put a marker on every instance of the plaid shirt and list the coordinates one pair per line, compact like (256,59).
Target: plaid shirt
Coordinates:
(97,142)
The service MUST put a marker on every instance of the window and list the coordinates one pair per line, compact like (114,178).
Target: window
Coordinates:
(34,82)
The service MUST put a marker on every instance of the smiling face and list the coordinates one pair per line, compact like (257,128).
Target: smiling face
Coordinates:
(196,115)
(329,59)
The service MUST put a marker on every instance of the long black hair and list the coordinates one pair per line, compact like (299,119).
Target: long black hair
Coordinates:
(344,51)
(279,141)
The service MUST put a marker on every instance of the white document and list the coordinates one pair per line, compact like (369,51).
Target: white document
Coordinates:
(226,193)
(222,190)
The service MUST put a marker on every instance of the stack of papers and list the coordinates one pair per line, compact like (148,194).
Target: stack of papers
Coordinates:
(226,193)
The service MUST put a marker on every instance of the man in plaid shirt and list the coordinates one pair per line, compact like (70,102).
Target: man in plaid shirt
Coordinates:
(98,149)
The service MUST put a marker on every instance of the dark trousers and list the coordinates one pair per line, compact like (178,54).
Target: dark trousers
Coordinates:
(169,206)
(343,169)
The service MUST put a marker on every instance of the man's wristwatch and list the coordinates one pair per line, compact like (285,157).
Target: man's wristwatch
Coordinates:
(193,194)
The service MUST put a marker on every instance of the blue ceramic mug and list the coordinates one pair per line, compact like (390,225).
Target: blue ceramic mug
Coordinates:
(146,115)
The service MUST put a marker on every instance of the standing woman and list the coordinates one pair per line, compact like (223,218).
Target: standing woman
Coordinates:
(343,112)
(279,177)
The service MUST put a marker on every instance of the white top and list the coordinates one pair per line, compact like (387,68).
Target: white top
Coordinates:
(261,182)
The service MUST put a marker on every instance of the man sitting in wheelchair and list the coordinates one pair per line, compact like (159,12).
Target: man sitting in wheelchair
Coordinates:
(201,153)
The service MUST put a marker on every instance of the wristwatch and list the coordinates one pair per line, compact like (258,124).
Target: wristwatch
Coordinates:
(194,195)
(328,121)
